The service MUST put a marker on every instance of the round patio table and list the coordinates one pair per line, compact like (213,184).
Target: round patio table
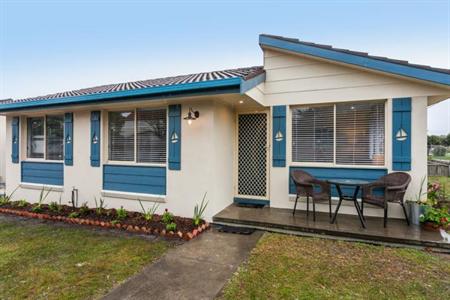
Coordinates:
(356,183)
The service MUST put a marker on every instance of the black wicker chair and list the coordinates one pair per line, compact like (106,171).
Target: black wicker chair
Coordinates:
(306,186)
(394,186)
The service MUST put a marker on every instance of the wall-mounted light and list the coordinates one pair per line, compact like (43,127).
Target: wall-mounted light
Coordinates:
(192,115)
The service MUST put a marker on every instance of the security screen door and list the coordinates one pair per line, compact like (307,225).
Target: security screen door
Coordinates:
(252,156)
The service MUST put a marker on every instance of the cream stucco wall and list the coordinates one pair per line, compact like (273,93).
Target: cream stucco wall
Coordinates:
(206,162)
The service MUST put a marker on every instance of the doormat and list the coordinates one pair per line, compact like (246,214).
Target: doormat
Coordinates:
(236,230)
(250,205)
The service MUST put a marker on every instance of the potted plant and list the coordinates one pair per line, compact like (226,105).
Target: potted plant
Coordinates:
(418,204)
(435,218)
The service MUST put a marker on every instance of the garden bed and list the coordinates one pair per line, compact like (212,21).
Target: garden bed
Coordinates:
(109,218)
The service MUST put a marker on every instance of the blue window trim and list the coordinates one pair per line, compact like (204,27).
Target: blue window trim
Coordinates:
(401,119)
(68,139)
(15,140)
(365,62)
(174,131)
(95,138)
(279,126)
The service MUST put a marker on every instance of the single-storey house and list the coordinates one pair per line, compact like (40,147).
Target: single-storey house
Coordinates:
(233,134)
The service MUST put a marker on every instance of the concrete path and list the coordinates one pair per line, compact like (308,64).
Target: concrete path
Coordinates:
(195,270)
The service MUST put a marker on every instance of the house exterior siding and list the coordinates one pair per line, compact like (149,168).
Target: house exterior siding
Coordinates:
(205,160)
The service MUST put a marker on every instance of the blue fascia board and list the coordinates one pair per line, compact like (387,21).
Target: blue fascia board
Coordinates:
(179,88)
(251,83)
(365,62)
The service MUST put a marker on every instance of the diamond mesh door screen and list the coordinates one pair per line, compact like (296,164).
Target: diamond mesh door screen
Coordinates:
(252,155)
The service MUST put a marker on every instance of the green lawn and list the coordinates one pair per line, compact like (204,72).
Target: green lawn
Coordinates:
(289,267)
(40,261)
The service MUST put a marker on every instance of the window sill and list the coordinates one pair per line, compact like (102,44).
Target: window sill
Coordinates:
(132,163)
(328,165)
(41,160)
(38,186)
(134,196)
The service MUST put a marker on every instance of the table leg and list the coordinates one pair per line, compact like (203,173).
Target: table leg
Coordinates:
(358,210)
(338,188)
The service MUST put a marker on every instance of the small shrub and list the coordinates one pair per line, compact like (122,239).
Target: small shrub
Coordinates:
(121,214)
(6,199)
(100,206)
(54,207)
(37,208)
(84,209)
(198,211)
(167,217)
(438,216)
(439,151)
(21,203)
(74,214)
(148,214)
(171,226)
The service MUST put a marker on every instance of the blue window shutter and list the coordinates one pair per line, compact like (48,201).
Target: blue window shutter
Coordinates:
(15,139)
(95,138)
(401,134)
(68,139)
(174,137)
(279,136)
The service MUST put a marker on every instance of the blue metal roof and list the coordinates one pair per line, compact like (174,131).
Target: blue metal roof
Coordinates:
(235,80)
(360,59)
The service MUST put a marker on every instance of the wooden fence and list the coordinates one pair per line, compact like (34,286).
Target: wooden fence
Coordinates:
(438,168)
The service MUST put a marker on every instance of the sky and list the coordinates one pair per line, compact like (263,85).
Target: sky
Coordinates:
(53,46)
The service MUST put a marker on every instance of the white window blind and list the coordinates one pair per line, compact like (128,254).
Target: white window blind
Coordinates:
(313,134)
(54,137)
(138,135)
(151,135)
(121,136)
(360,133)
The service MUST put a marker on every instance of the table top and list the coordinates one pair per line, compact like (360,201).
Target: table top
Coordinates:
(353,182)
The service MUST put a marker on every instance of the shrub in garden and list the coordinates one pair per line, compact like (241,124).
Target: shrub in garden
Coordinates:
(54,207)
(437,216)
(171,226)
(148,214)
(74,215)
(84,209)
(167,217)
(121,214)
(22,203)
(198,211)
(100,206)
(439,151)
(6,199)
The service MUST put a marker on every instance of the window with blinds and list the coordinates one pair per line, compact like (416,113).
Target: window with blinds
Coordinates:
(151,135)
(344,134)
(138,136)
(121,135)
(54,137)
(360,133)
(313,134)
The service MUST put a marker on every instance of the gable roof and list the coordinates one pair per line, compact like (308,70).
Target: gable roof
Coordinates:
(237,79)
(360,59)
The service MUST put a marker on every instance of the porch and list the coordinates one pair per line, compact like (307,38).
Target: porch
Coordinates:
(346,227)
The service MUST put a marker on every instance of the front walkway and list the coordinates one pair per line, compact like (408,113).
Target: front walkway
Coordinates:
(195,270)
(346,226)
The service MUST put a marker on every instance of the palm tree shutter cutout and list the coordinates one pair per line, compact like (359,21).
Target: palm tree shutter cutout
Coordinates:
(174,137)
(95,139)
(15,140)
(401,134)
(68,139)
(279,136)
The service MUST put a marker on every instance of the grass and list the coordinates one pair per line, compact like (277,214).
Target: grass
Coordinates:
(40,261)
(289,267)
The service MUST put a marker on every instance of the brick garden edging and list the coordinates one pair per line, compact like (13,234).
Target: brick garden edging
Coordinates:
(134,229)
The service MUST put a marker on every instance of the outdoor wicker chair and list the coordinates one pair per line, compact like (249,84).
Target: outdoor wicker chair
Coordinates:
(308,186)
(394,186)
